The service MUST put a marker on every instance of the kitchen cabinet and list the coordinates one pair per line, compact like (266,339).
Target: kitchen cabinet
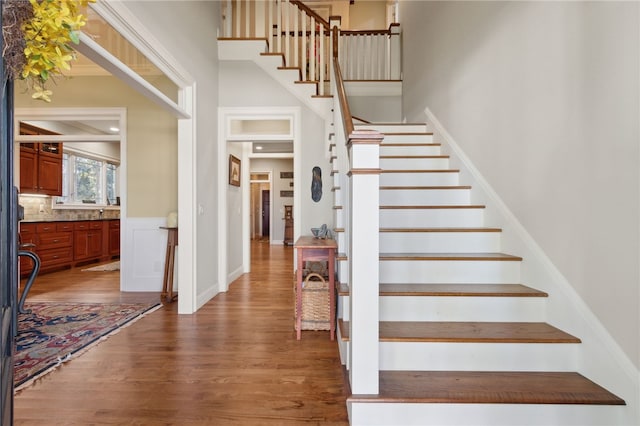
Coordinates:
(27,241)
(87,240)
(40,164)
(114,238)
(63,244)
(52,242)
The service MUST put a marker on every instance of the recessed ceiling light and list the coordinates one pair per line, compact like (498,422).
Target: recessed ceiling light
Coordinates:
(258,147)
(114,129)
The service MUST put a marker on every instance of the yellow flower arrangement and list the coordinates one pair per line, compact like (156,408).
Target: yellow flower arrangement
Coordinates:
(47,31)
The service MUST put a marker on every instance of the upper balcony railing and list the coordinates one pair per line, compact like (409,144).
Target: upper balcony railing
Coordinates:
(304,39)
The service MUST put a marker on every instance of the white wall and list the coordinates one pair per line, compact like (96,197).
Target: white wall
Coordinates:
(543,98)
(188,30)
(380,109)
(244,84)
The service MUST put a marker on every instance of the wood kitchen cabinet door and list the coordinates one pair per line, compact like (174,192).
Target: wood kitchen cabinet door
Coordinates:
(49,175)
(28,171)
(114,238)
(40,164)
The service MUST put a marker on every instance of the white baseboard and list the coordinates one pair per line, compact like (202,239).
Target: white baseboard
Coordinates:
(235,274)
(209,293)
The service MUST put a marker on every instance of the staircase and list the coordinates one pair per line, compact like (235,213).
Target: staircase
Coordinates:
(461,339)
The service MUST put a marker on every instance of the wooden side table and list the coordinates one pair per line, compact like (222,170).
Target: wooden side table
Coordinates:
(168,295)
(309,248)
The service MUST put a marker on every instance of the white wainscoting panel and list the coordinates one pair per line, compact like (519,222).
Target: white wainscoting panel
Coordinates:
(142,254)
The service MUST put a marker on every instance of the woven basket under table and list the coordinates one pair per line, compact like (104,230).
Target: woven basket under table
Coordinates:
(316,304)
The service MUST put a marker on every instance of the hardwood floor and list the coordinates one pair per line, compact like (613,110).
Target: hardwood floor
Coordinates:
(236,361)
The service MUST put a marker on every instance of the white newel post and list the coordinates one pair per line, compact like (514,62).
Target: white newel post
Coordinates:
(395,51)
(364,221)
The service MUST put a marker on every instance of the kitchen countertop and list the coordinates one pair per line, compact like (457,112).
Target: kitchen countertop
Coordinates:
(66,220)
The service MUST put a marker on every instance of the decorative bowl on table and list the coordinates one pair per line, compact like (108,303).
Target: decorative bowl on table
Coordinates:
(316,232)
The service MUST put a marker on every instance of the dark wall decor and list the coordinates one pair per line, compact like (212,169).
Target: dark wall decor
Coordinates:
(234,171)
(286,175)
(286,194)
(316,184)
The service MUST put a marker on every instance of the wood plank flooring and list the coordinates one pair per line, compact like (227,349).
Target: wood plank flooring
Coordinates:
(236,361)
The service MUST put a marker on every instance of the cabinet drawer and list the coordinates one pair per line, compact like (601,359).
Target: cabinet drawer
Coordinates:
(89,224)
(45,227)
(54,240)
(114,224)
(55,257)
(64,226)
(79,226)
(27,228)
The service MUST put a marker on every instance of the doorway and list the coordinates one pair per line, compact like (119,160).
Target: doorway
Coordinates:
(266,213)
(260,206)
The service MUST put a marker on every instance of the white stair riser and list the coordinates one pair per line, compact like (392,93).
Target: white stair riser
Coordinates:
(342,269)
(409,138)
(343,348)
(394,128)
(449,271)
(407,414)
(450,308)
(478,356)
(421,308)
(410,150)
(414,163)
(431,218)
(419,179)
(439,242)
(338,218)
(425,197)
(246,50)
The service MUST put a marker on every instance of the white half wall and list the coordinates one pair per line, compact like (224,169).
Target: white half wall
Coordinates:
(142,254)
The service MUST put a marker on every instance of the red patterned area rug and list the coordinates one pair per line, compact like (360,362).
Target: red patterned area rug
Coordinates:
(55,332)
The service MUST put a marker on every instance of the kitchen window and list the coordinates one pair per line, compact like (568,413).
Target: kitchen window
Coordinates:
(87,181)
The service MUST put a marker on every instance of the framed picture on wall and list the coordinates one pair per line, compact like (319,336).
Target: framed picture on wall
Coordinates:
(234,171)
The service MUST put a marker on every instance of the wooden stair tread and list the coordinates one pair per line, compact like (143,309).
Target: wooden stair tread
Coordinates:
(242,39)
(481,290)
(387,123)
(460,290)
(440,230)
(408,133)
(411,144)
(467,332)
(403,157)
(392,188)
(488,387)
(449,256)
(421,171)
(426,207)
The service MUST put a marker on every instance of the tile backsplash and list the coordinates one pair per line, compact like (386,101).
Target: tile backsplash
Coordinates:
(39,208)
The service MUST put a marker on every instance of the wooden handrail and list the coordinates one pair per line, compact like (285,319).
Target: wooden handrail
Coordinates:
(342,98)
(310,12)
